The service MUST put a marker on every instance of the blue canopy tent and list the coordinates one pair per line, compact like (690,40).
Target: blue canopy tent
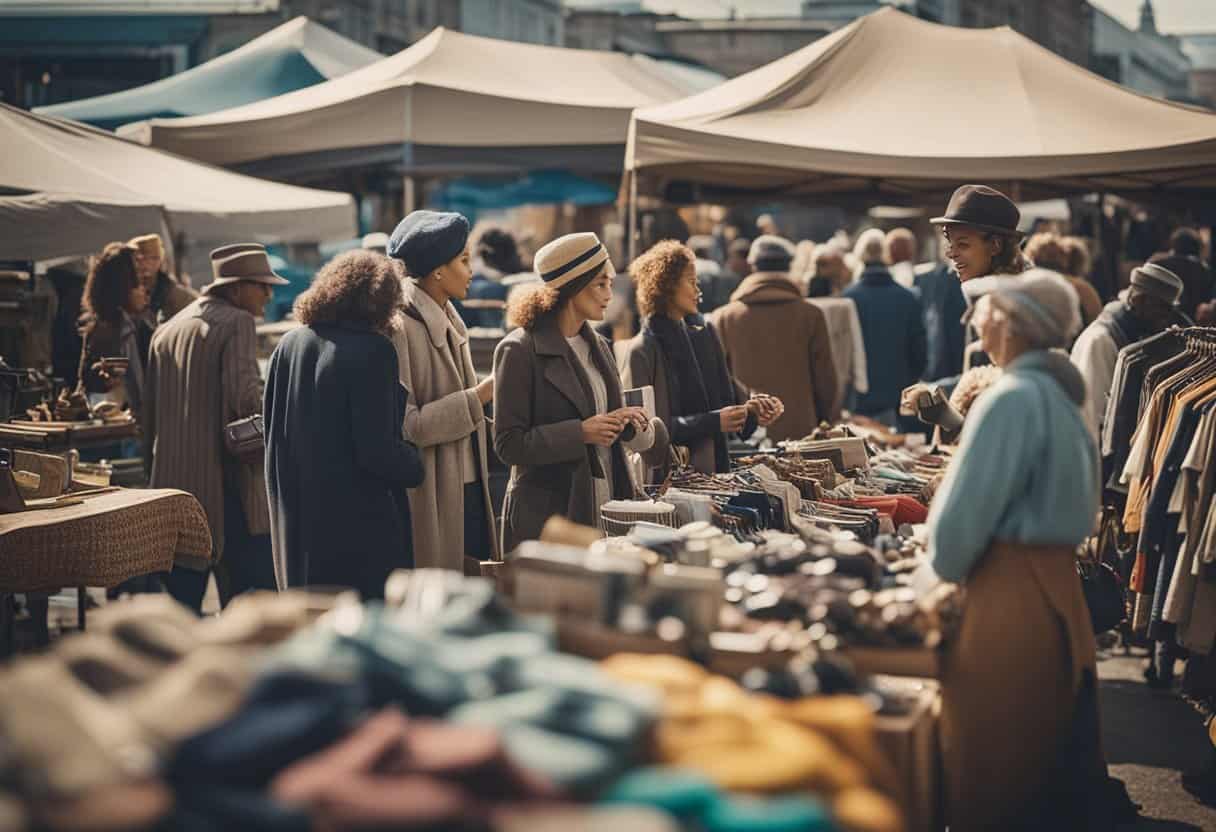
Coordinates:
(292,56)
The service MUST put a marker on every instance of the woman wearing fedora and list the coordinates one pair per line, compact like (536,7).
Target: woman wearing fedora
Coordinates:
(337,464)
(203,374)
(981,240)
(445,412)
(558,415)
(679,355)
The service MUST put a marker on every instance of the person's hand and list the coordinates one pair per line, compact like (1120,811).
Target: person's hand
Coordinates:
(1205,315)
(109,375)
(732,419)
(768,409)
(485,390)
(603,429)
(635,416)
(915,398)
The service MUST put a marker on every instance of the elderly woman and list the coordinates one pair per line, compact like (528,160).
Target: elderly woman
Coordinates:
(113,298)
(679,355)
(559,420)
(445,415)
(1019,717)
(337,466)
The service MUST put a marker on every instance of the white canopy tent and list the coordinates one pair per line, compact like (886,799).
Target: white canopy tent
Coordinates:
(892,108)
(450,104)
(68,185)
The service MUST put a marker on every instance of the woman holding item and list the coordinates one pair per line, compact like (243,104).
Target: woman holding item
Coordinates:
(679,355)
(113,298)
(445,411)
(558,416)
(1019,718)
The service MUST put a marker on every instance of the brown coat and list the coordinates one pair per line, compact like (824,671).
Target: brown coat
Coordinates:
(202,374)
(540,404)
(442,412)
(777,342)
(1009,694)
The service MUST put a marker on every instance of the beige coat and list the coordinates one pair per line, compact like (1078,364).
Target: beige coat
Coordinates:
(442,414)
(202,374)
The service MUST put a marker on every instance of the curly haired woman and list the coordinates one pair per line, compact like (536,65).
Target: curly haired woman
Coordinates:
(559,420)
(678,354)
(337,465)
(113,297)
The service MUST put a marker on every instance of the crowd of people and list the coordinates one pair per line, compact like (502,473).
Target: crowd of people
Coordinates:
(379,433)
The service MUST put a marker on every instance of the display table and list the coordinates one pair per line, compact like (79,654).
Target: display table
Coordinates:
(101,540)
(62,436)
(910,742)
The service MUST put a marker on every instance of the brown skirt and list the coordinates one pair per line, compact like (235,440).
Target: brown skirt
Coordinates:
(1010,682)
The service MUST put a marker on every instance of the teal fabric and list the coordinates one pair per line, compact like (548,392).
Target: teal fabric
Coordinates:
(686,795)
(1026,472)
(205,89)
(780,814)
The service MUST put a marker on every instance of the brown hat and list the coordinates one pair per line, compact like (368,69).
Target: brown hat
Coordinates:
(979,206)
(234,248)
(251,264)
(148,244)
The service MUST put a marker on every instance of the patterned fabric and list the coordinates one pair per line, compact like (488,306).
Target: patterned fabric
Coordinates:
(103,541)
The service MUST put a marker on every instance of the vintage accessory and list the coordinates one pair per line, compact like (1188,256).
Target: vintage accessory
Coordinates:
(246,438)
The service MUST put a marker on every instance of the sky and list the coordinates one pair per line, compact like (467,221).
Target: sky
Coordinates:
(1172,15)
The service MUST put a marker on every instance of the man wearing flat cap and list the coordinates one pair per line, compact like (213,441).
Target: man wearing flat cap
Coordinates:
(1150,305)
(202,374)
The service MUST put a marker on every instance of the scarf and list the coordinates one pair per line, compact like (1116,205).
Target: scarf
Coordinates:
(688,392)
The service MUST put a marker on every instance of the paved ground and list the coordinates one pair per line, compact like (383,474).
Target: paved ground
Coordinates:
(1151,737)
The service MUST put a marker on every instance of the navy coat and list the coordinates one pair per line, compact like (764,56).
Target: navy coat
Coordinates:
(893,329)
(337,465)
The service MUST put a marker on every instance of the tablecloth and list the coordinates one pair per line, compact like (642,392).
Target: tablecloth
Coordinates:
(103,541)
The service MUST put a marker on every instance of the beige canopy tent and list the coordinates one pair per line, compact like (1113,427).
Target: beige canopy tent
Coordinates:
(451,103)
(77,184)
(893,108)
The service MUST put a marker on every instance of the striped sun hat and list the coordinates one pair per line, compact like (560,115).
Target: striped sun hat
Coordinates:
(571,262)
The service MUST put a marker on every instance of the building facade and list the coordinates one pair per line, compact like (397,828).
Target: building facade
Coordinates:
(72,50)
(1142,59)
(1201,49)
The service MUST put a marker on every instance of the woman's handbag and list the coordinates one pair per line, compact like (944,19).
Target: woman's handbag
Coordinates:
(1102,585)
(246,438)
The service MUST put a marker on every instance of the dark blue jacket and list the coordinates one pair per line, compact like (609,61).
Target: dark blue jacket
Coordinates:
(893,329)
(337,465)
(941,298)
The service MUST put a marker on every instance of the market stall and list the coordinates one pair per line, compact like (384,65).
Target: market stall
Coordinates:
(541,107)
(69,185)
(847,116)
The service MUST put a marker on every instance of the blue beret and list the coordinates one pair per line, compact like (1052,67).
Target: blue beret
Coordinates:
(425,240)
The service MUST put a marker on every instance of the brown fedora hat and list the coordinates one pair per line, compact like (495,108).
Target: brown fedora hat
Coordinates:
(249,264)
(979,206)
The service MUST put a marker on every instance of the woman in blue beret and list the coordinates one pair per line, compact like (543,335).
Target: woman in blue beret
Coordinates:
(445,415)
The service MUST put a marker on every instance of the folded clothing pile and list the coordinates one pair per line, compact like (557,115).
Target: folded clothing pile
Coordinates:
(447,712)
(761,745)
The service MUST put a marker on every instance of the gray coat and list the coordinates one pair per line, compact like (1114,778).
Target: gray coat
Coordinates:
(540,403)
(202,374)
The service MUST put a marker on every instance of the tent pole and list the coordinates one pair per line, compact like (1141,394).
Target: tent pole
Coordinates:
(631,241)
(409,195)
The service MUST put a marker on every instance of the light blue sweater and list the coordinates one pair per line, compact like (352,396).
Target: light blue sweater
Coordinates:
(1026,472)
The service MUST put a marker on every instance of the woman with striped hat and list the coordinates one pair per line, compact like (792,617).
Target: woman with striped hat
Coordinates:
(559,420)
